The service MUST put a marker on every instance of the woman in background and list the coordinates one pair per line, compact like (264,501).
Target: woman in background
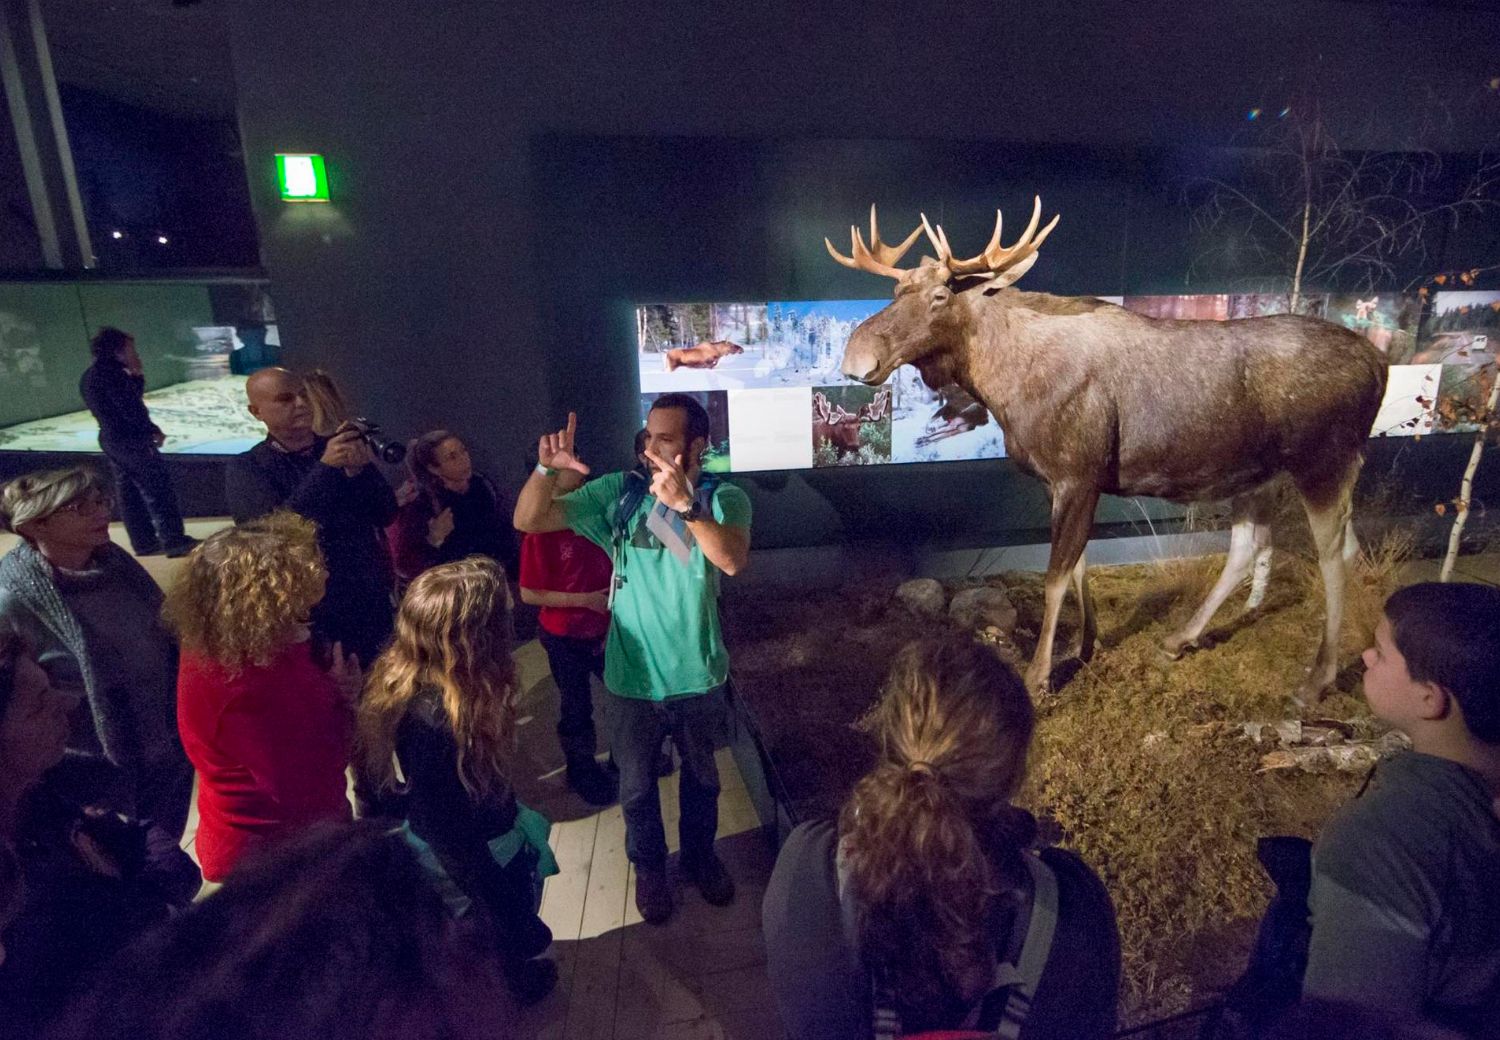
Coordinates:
(441,704)
(267,728)
(923,906)
(326,402)
(450,511)
(92,616)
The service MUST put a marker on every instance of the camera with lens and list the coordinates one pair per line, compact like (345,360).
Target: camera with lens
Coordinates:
(384,449)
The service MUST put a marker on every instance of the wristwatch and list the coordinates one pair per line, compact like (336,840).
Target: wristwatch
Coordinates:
(695,513)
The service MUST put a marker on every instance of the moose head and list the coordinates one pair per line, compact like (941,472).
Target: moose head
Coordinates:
(926,322)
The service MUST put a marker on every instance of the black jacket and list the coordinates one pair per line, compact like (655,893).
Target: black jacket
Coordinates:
(460,826)
(118,401)
(351,514)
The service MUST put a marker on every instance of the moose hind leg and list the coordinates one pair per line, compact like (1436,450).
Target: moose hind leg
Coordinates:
(1072,519)
(1331,532)
(1242,553)
(1083,642)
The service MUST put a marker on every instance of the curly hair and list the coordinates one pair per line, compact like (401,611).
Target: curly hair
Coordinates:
(453,635)
(929,836)
(245,591)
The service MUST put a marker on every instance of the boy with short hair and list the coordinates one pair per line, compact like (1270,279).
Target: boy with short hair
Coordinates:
(1406,879)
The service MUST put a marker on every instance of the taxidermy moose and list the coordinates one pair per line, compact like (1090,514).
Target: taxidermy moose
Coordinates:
(1095,398)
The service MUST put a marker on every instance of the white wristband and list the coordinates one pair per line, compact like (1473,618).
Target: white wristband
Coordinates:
(546,471)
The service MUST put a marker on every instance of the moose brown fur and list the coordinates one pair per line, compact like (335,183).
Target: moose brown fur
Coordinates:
(1094,398)
(704,355)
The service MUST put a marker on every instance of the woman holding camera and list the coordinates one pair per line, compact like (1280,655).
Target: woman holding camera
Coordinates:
(449,511)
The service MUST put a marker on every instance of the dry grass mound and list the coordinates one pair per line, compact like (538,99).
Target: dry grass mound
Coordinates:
(1165,806)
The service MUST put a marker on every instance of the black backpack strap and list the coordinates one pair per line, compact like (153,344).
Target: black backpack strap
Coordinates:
(885,1022)
(1025,975)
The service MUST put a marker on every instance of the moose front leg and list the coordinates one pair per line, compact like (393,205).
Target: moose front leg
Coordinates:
(1072,520)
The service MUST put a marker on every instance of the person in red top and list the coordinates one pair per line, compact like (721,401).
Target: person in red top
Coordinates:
(268,729)
(568,577)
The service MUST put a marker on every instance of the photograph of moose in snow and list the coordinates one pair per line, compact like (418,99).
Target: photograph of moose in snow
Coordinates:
(1093,398)
(703,355)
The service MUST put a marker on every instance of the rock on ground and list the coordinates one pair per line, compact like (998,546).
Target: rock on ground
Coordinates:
(984,607)
(923,596)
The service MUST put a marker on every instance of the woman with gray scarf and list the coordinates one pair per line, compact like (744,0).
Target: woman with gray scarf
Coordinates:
(93,615)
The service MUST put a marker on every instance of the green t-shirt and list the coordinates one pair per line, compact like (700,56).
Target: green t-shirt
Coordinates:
(664,637)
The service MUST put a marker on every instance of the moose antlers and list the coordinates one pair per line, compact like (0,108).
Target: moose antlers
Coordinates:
(879,258)
(1001,265)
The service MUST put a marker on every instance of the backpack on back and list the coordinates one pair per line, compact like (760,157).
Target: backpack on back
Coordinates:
(1018,977)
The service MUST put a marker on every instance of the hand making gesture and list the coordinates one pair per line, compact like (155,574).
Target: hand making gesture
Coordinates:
(670,484)
(555,450)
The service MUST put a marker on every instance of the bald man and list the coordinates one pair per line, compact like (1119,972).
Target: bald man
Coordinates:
(332,482)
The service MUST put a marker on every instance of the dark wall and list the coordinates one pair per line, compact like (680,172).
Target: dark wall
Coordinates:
(509,179)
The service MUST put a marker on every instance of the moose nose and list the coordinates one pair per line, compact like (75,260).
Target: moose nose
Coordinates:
(861,365)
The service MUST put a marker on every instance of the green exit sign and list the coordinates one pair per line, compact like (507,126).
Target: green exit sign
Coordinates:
(302,178)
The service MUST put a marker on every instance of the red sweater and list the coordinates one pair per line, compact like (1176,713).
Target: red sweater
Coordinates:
(270,745)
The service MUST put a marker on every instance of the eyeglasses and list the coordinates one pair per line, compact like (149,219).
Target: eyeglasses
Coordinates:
(92,503)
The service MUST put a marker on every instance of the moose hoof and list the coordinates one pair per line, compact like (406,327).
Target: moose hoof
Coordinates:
(1038,686)
(1309,693)
(1174,649)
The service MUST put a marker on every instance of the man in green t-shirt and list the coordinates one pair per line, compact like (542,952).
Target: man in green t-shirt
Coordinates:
(670,534)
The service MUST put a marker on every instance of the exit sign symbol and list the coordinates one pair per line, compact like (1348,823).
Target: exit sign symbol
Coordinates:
(302,177)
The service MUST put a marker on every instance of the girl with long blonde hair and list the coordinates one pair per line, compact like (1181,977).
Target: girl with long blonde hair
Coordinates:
(437,726)
(915,910)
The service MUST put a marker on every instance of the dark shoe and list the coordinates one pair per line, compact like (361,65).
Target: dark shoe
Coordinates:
(653,895)
(149,550)
(182,548)
(530,981)
(591,783)
(708,873)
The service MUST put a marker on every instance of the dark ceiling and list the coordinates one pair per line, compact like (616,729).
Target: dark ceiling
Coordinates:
(156,54)
(173,56)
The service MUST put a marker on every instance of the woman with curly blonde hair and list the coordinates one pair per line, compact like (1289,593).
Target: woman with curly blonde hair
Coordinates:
(441,704)
(926,905)
(267,728)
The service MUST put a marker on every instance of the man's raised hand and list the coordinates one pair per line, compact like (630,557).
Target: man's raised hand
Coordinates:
(670,484)
(556,451)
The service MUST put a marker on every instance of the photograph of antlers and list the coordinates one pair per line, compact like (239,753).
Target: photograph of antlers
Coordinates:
(1093,399)
(849,438)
